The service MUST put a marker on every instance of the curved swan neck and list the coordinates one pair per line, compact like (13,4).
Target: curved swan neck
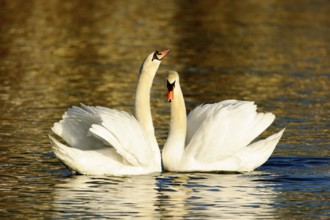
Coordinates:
(142,101)
(174,147)
(147,73)
(142,104)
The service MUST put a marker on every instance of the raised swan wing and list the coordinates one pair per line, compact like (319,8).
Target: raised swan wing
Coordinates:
(218,130)
(122,131)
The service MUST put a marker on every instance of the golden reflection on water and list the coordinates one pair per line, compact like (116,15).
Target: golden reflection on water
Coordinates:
(113,196)
(165,196)
(55,54)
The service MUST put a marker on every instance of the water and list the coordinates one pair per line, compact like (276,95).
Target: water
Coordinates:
(57,54)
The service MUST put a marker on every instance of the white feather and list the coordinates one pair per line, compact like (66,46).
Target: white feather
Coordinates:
(114,141)
(106,141)
(217,136)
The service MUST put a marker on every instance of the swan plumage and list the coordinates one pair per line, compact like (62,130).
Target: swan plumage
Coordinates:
(105,141)
(216,137)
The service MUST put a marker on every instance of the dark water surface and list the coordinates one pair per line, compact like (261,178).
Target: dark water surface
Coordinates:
(55,54)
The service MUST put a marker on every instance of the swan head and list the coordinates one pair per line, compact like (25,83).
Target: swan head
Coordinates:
(172,79)
(152,61)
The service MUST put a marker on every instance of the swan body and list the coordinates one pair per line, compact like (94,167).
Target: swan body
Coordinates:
(215,137)
(105,141)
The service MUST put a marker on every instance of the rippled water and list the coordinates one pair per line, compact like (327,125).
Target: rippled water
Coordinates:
(55,54)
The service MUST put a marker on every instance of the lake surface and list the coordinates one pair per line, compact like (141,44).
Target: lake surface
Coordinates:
(55,54)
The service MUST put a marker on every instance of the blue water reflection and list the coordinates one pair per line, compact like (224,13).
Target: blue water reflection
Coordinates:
(270,192)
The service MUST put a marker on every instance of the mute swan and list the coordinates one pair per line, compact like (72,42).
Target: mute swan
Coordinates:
(105,141)
(216,137)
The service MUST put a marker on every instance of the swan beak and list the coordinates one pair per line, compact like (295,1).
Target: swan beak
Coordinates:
(170,95)
(162,54)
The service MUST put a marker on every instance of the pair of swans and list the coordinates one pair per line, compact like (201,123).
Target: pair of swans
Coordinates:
(215,137)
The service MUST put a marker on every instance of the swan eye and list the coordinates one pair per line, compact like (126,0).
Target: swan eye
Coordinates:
(170,86)
(155,55)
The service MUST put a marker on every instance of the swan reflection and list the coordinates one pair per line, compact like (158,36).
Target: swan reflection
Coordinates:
(86,196)
(168,195)
(216,195)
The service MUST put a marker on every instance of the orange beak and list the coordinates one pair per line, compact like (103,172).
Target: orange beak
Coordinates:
(162,54)
(170,95)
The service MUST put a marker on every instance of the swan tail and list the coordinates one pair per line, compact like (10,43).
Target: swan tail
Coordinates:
(260,123)
(64,154)
(88,162)
(256,154)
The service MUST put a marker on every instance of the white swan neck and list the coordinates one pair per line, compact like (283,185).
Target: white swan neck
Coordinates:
(174,147)
(142,102)
(142,105)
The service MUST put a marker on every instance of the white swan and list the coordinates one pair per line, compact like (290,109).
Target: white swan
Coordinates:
(216,137)
(104,141)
